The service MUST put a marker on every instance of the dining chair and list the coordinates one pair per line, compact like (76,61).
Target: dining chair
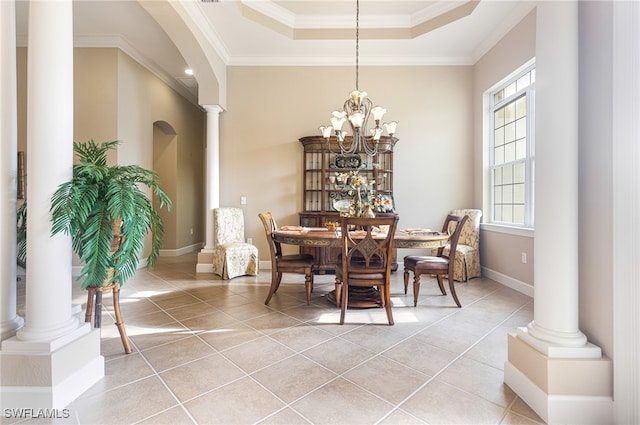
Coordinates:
(365,260)
(467,260)
(292,263)
(439,265)
(232,256)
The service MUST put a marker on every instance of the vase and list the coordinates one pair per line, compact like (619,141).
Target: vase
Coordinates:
(368,212)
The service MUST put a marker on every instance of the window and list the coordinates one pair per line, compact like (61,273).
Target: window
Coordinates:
(512,151)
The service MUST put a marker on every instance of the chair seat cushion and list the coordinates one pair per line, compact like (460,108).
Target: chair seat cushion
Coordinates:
(433,263)
(295,260)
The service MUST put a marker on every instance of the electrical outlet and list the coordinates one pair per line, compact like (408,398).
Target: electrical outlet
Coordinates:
(250,241)
(191,231)
(243,200)
(524,258)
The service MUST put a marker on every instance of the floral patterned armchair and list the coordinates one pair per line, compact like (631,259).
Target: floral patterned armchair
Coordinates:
(232,256)
(467,261)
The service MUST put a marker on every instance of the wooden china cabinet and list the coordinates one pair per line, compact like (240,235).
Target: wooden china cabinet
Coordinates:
(321,166)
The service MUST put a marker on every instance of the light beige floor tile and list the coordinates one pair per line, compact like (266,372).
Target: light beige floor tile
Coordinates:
(127,404)
(191,311)
(512,418)
(479,379)
(492,349)
(248,311)
(173,416)
(440,403)
(285,416)
(214,319)
(521,408)
(145,338)
(272,322)
(121,371)
(387,379)
(293,377)
(399,417)
(341,402)
(339,355)
(177,353)
(375,338)
(241,402)
(301,337)
(257,354)
(230,335)
(195,378)
(425,358)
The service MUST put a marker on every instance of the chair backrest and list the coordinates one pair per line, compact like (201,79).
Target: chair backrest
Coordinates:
(270,226)
(454,225)
(228,226)
(366,249)
(471,232)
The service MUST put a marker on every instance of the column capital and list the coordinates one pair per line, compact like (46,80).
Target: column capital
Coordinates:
(213,108)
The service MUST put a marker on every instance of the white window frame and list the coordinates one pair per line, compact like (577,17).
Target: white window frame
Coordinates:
(529,159)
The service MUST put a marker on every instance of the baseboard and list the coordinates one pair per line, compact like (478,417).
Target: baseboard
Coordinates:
(181,251)
(515,284)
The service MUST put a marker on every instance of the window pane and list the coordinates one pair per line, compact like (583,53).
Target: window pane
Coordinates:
(518,193)
(507,215)
(521,149)
(498,195)
(510,152)
(521,107)
(523,81)
(507,195)
(518,214)
(509,112)
(498,155)
(498,96)
(510,90)
(518,173)
(499,118)
(521,128)
(510,132)
(507,174)
(499,136)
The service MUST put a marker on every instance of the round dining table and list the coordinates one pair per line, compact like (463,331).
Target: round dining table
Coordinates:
(322,237)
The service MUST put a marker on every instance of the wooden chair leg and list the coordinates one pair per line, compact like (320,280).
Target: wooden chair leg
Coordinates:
(338,292)
(119,322)
(406,280)
(440,284)
(416,287)
(308,284)
(453,291)
(344,302)
(275,283)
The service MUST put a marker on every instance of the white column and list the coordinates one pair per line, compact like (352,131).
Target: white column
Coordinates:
(50,150)
(556,200)
(10,322)
(550,363)
(212,185)
(54,358)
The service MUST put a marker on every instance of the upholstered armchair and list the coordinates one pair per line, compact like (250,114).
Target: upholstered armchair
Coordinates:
(467,262)
(232,256)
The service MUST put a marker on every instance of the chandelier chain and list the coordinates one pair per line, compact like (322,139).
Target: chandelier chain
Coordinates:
(357,40)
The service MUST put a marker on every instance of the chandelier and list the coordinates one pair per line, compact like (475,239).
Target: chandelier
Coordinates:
(356,110)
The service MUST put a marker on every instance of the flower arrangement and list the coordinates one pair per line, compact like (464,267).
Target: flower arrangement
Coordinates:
(363,193)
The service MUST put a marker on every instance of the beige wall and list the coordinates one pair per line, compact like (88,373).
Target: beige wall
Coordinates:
(270,108)
(501,252)
(143,100)
(116,98)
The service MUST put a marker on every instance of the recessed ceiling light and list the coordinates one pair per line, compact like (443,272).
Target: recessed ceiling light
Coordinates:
(188,71)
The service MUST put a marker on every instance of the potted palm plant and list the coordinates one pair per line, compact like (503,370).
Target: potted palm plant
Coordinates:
(107,215)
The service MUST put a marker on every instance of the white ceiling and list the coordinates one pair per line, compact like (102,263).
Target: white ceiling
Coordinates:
(299,32)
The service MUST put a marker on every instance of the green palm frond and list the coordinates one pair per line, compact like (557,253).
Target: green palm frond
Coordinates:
(98,195)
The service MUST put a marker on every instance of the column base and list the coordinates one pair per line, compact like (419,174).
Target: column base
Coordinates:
(205,261)
(561,390)
(9,328)
(48,375)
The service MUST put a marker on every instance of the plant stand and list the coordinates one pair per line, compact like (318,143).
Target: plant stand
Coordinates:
(95,294)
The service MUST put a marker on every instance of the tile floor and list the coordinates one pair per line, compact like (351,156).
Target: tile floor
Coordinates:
(207,351)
